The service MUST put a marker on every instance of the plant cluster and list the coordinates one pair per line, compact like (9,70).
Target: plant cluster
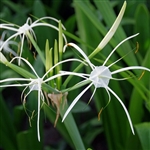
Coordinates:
(50,76)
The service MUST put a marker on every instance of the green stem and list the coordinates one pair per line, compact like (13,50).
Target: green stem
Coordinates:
(36,47)
(81,65)
(75,86)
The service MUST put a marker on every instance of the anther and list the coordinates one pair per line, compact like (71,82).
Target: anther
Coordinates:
(141,75)
(100,113)
(137,47)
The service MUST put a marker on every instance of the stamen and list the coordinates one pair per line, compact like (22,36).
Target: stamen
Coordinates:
(30,118)
(100,113)
(34,55)
(10,55)
(141,75)
(24,100)
(32,115)
(137,47)
(19,46)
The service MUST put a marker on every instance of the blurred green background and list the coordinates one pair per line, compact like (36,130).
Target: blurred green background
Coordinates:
(88,21)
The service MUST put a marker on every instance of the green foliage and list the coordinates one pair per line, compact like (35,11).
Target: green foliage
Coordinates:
(87,22)
(143,131)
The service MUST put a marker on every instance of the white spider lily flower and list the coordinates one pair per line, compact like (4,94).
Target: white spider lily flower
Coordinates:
(100,76)
(27,28)
(34,84)
(6,48)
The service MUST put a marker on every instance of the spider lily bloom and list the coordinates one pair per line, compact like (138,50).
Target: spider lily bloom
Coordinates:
(26,29)
(6,47)
(100,77)
(33,84)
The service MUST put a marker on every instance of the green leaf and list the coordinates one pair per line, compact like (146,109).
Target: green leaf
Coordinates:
(51,115)
(74,137)
(143,130)
(81,107)
(84,24)
(28,140)
(142,25)
(137,100)
(19,114)
(38,9)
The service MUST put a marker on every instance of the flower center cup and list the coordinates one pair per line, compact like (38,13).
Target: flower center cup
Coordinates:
(36,84)
(100,76)
(23,29)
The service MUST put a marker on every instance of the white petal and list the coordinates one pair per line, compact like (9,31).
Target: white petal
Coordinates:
(14,79)
(126,111)
(38,117)
(61,62)
(14,35)
(49,25)
(74,73)
(81,52)
(75,101)
(51,18)
(118,46)
(6,26)
(130,68)
(27,64)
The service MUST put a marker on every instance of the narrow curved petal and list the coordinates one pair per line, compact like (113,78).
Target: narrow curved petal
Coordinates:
(118,46)
(48,25)
(78,85)
(92,95)
(51,18)
(11,52)
(83,75)
(81,52)
(59,75)
(23,93)
(38,117)
(130,68)
(26,63)
(13,85)
(121,79)
(61,62)
(126,111)
(118,59)
(14,35)
(14,79)
(3,35)
(75,101)
(6,26)
(8,50)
